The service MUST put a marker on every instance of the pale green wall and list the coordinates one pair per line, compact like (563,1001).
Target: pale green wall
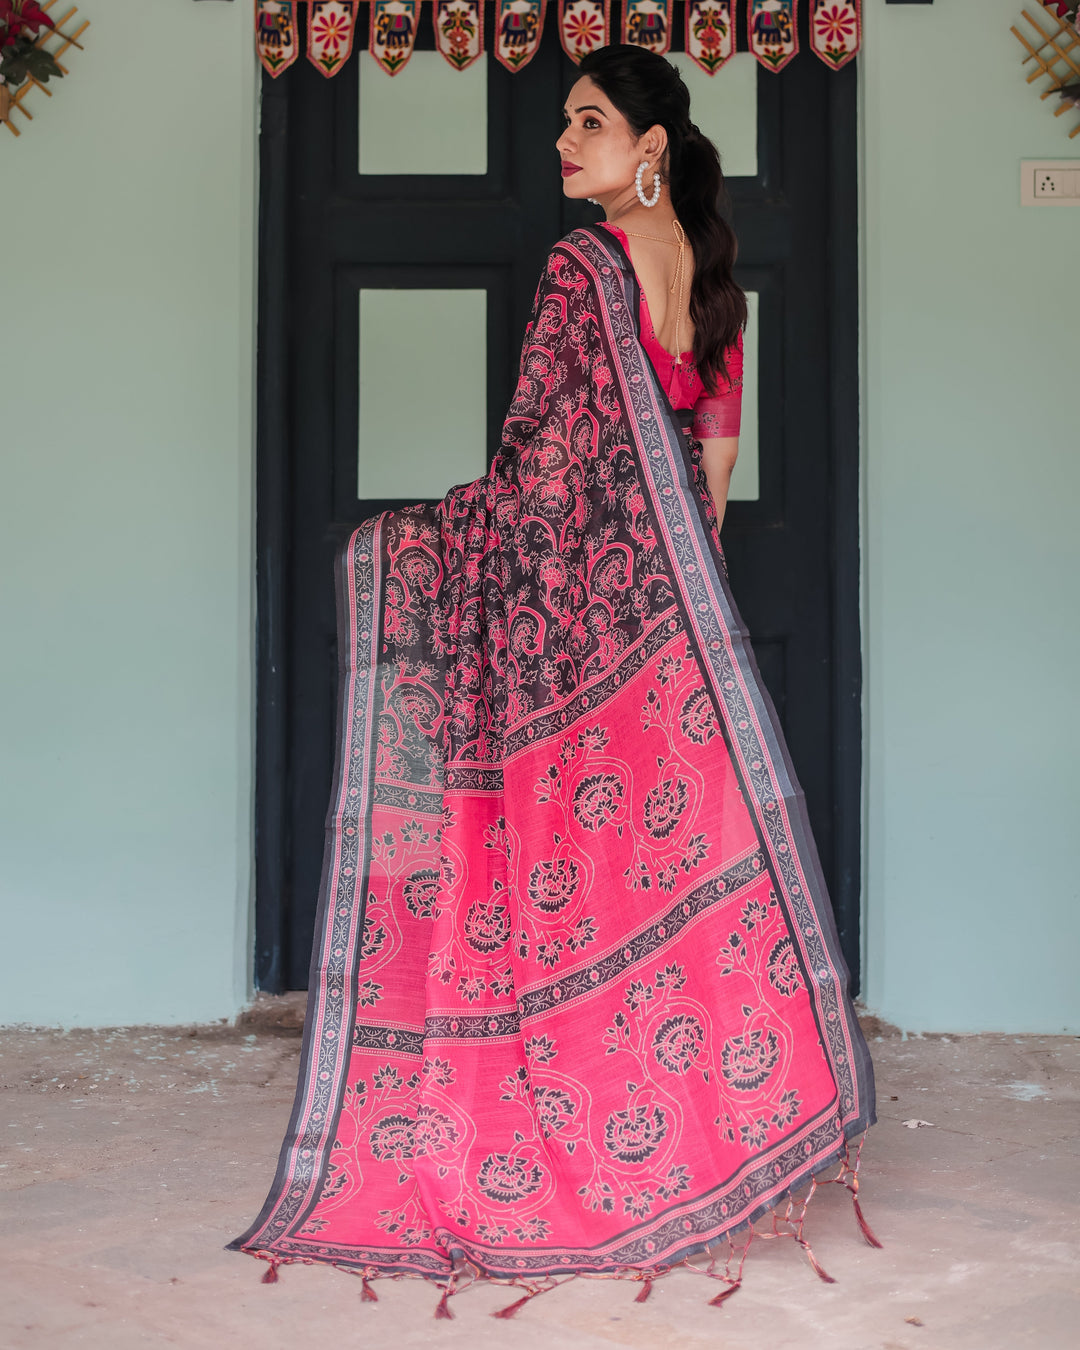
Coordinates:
(127,228)
(127,231)
(972,547)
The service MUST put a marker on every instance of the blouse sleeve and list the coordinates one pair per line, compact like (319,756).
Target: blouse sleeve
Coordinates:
(720,414)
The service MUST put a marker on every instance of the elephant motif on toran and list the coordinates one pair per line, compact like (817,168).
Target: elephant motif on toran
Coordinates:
(772,28)
(648,29)
(396,29)
(518,30)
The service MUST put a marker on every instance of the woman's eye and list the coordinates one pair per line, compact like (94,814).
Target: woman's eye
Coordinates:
(591,122)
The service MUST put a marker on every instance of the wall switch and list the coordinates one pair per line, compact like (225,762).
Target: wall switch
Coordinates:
(1050,182)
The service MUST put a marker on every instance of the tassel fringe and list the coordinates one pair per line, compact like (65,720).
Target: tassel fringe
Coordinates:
(786,1220)
(535,1289)
(512,1308)
(724,1295)
(864,1227)
(821,1274)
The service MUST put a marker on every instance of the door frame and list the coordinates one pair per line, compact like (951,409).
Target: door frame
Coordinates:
(272,488)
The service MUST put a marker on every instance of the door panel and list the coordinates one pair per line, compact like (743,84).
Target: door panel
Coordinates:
(449,246)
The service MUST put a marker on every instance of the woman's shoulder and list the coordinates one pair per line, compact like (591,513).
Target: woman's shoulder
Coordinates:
(578,260)
(588,239)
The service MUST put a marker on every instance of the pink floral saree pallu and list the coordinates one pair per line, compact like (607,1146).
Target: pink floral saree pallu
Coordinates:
(577,1004)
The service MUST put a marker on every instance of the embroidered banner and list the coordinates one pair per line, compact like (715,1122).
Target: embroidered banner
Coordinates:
(459,31)
(835,30)
(584,25)
(518,26)
(275,34)
(331,29)
(710,33)
(393,32)
(773,26)
(647,23)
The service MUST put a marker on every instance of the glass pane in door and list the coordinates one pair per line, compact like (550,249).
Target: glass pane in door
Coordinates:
(744,480)
(423,392)
(429,118)
(724,106)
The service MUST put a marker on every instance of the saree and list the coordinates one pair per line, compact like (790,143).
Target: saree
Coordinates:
(577,999)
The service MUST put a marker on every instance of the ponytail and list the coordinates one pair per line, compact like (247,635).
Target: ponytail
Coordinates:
(649,91)
(717,302)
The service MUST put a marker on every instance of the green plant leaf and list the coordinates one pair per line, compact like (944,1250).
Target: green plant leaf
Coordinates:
(13,69)
(42,65)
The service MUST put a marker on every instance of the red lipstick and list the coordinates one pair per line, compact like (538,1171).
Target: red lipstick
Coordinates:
(568,169)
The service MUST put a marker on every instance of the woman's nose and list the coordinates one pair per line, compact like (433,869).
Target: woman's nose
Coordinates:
(565,142)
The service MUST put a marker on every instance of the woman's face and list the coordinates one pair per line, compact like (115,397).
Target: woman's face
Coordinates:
(599,151)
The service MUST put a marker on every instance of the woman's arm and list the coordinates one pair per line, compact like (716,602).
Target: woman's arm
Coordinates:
(717,418)
(718,456)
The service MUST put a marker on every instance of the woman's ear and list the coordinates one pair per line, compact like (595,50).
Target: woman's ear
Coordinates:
(654,144)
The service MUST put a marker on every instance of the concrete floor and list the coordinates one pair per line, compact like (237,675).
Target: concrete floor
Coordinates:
(131,1157)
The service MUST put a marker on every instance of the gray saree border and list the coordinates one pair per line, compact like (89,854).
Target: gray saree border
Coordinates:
(325,1050)
(677,1231)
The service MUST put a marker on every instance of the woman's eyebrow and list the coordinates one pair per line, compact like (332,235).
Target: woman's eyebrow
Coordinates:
(589,107)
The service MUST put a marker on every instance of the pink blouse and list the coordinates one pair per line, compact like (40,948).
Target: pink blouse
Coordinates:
(716,414)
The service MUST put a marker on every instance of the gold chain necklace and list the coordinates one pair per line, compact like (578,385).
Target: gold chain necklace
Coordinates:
(679,279)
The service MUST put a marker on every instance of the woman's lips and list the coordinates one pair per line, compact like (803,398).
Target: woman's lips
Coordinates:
(568,169)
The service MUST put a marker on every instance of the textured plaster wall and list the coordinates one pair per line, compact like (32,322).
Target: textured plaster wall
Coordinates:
(127,229)
(971,544)
(127,225)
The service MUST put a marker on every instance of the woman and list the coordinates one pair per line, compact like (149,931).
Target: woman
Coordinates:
(577,999)
(615,141)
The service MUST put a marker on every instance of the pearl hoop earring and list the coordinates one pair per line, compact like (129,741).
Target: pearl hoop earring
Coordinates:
(646,201)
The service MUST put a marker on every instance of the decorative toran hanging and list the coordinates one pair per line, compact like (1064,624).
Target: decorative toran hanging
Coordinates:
(519,25)
(584,25)
(331,27)
(710,33)
(393,32)
(459,31)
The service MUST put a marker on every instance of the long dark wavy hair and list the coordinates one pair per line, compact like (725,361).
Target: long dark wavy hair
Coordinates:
(649,91)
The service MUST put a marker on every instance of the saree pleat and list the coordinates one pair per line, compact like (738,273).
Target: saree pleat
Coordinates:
(577,1000)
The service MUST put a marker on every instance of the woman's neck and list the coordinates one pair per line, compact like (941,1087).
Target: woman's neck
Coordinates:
(627,212)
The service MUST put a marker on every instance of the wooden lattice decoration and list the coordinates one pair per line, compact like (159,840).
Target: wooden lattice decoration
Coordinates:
(56,44)
(1054,46)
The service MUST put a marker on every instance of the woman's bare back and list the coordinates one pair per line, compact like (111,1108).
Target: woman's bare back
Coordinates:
(656,261)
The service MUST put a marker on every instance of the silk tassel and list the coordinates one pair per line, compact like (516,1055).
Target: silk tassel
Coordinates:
(864,1227)
(512,1308)
(821,1274)
(724,1295)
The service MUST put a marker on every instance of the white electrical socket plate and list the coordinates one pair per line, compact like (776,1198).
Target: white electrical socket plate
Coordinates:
(1050,182)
